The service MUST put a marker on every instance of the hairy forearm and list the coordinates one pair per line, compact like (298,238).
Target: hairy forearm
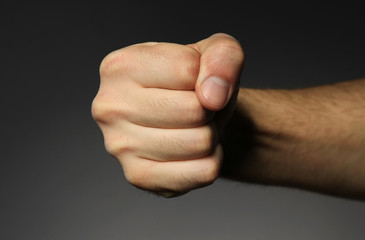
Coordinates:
(311,138)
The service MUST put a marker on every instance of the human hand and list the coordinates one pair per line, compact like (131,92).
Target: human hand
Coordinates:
(155,107)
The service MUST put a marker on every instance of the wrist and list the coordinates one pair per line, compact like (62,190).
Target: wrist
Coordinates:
(251,138)
(298,138)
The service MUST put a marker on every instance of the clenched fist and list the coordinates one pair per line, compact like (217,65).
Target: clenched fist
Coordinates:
(158,105)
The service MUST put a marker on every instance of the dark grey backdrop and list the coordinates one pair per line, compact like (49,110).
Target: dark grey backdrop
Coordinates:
(57,182)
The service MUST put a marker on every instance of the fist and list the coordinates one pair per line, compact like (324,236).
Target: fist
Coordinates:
(156,107)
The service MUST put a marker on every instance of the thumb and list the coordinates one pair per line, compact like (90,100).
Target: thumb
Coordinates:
(221,64)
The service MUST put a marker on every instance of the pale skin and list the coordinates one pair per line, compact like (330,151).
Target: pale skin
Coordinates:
(173,130)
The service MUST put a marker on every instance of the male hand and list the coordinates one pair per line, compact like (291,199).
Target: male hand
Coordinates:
(156,106)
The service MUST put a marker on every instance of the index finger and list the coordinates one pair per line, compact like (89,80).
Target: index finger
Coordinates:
(154,65)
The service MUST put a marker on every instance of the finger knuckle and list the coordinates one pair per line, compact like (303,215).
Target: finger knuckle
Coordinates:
(182,61)
(189,64)
(203,141)
(98,110)
(137,177)
(134,178)
(209,173)
(194,112)
(104,111)
(114,62)
(101,112)
(117,145)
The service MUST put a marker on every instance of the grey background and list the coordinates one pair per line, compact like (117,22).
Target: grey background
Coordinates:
(57,181)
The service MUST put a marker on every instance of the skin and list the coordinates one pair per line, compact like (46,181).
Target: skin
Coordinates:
(311,138)
(174,117)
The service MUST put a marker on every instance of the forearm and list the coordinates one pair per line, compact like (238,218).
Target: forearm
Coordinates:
(310,138)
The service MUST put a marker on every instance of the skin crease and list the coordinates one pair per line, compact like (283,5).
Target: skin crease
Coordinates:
(173,131)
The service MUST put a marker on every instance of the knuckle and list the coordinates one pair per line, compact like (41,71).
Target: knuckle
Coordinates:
(105,112)
(134,178)
(137,177)
(97,110)
(113,62)
(107,64)
(120,60)
(203,141)
(210,173)
(189,64)
(194,112)
(117,146)
(182,61)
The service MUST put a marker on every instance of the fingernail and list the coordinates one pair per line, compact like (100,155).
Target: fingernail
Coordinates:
(215,90)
